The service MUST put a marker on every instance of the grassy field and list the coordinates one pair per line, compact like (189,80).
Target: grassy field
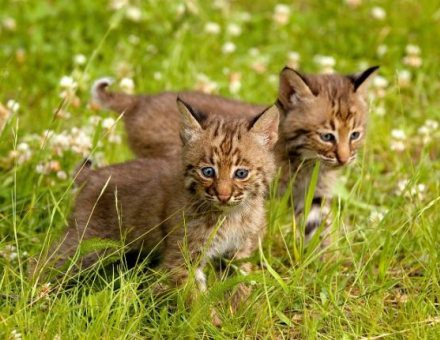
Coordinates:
(382,276)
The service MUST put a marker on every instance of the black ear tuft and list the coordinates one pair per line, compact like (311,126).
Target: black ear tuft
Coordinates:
(359,78)
(199,116)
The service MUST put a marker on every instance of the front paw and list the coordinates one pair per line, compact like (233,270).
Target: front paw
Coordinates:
(240,296)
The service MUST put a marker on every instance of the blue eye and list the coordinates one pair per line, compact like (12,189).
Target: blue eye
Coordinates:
(327,137)
(355,135)
(208,172)
(241,173)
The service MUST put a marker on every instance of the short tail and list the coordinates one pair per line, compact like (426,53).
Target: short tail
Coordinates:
(116,101)
(83,171)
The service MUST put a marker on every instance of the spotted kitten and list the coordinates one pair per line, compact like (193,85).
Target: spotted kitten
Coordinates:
(162,206)
(323,117)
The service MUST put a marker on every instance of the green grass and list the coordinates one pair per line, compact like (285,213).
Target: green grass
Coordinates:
(383,276)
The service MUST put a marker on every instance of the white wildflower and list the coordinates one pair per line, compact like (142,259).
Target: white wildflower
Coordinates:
(326,63)
(380,111)
(127,85)
(253,52)
(376,216)
(380,82)
(398,146)
(412,50)
(118,4)
(180,10)
(40,168)
(382,50)
(206,85)
(133,13)
(62,175)
(95,120)
(9,253)
(353,3)
(234,30)
(114,138)
(431,124)
(228,48)
(108,123)
(244,16)
(22,154)
(68,83)
(134,39)
(13,105)
(293,59)
(398,134)
(281,14)
(260,65)
(79,59)
(273,78)
(378,13)
(9,24)
(404,78)
(157,76)
(234,82)
(212,28)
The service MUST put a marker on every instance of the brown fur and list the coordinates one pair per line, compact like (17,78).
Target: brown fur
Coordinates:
(160,207)
(310,105)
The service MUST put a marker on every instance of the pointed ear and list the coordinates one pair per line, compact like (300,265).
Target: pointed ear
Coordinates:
(293,88)
(266,126)
(361,80)
(190,121)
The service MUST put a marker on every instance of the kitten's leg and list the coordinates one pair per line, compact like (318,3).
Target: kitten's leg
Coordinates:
(243,291)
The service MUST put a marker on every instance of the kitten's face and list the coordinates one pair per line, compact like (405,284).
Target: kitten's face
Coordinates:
(325,120)
(228,163)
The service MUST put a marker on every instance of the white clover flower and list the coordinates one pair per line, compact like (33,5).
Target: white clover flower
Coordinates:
(220,4)
(412,61)
(114,138)
(234,30)
(228,48)
(127,85)
(40,168)
(293,59)
(22,154)
(423,130)
(413,50)
(133,13)
(353,3)
(404,78)
(212,28)
(9,253)
(205,85)
(273,78)
(398,134)
(95,120)
(378,13)
(401,186)
(157,76)
(62,175)
(253,52)
(380,82)
(398,146)
(260,66)
(281,14)
(13,105)
(376,216)
(108,123)
(382,50)
(68,83)
(9,24)
(180,10)
(234,82)
(118,4)
(244,16)
(134,39)
(79,59)
(380,111)
(431,124)
(326,63)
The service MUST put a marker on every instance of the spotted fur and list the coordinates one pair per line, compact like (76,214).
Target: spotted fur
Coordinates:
(165,206)
(309,104)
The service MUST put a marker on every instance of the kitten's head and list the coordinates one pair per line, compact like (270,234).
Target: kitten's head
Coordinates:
(323,116)
(227,161)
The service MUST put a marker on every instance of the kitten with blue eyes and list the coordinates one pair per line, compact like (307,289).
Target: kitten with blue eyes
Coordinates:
(210,204)
(322,118)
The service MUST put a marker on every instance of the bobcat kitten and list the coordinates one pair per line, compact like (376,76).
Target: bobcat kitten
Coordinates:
(162,206)
(322,117)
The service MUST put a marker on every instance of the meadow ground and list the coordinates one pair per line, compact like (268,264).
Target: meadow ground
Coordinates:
(381,278)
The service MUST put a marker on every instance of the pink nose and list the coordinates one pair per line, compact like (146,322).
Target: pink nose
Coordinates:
(224,198)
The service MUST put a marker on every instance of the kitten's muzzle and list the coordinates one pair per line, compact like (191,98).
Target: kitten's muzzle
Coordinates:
(223,198)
